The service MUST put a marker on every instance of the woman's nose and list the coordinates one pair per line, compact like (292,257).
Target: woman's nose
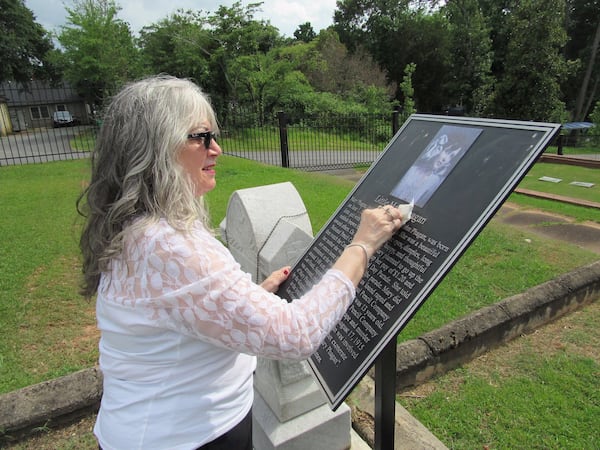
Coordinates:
(215,147)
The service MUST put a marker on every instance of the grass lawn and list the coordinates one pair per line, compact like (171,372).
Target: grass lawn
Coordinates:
(540,391)
(567,174)
(48,330)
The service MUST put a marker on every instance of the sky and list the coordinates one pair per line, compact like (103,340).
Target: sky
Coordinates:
(286,15)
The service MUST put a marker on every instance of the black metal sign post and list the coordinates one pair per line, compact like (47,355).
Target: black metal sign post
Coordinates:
(458,171)
(385,398)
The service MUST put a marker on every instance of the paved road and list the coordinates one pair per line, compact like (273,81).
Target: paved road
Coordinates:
(41,145)
(44,145)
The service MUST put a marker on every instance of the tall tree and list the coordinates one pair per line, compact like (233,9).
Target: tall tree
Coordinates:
(471,62)
(179,45)
(98,47)
(24,44)
(330,68)
(408,104)
(236,33)
(534,63)
(266,81)
(583,27)
(497,14)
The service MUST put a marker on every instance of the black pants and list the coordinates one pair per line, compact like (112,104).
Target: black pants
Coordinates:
(238,438)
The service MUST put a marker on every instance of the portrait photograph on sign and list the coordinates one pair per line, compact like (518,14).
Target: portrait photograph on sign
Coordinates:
(434,164)
(458,171)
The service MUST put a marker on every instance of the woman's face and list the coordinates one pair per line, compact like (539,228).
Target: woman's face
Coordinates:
(198,161)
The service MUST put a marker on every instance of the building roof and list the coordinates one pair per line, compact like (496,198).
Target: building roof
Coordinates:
(37,92)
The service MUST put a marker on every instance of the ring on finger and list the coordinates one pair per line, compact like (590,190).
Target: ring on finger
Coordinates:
(387,211)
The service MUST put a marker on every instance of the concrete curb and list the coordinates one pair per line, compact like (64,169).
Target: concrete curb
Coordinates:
(409,433)
(441,350)
(582,161)
(558,198)
(50,403)
(63,399)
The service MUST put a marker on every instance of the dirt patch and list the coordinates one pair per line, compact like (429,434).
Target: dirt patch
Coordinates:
(551,225)
(77,436)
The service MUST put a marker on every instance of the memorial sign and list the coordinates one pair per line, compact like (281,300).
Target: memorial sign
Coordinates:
(458,171)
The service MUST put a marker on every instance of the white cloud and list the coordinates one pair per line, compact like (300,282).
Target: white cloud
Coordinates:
(288,14)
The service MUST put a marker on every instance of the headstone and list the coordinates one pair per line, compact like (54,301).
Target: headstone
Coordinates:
(290,410)
(256,214)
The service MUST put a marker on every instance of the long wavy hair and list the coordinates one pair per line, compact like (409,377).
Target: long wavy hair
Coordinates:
(136,179)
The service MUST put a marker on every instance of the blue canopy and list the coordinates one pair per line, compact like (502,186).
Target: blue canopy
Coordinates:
(577,125)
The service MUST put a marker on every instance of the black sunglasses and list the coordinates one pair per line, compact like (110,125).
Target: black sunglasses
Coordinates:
(208,136)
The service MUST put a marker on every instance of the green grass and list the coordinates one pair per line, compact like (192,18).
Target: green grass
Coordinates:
(499,263)
(301,138)
(555,405)
(84,141)
(41,316)
(541,391)
(567,174)
(48,330)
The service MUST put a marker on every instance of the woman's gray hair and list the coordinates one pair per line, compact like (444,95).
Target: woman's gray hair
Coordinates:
(135,173)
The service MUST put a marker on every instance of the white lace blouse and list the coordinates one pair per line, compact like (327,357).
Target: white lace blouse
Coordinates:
(179,320)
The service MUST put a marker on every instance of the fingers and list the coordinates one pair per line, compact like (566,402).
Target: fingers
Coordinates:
(393,215)
(272,282)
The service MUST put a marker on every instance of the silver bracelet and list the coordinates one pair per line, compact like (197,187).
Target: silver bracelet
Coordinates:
(364,247)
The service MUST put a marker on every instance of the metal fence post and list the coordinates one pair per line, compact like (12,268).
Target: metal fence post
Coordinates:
(395,119)
(283,139)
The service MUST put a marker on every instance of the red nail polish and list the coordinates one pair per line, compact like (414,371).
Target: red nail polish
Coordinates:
(285,272)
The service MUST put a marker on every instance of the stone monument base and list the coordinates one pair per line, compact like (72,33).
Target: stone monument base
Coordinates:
(321,429)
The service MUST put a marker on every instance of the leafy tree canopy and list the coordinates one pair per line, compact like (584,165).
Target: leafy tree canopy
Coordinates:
(24,44)
(99,53)
(305,32)
(179,45)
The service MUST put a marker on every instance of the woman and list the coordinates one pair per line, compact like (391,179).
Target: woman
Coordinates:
(180,322)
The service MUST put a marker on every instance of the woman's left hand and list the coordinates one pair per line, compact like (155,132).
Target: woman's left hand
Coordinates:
(272,282)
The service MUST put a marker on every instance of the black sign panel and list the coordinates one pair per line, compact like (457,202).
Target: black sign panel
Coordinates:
(457,171)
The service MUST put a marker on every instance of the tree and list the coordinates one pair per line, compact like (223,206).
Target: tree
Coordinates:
(24,44)
(397,34)
(471,63)
(330,68)
(534,64)
(236,33)
(98,47)
(595,118)
(305,32)
(497,14)
(583,28)
(179,45)
(266,82)
(408,104)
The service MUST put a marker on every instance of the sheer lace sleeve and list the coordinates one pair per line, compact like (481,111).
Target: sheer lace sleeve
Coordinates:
(190,283)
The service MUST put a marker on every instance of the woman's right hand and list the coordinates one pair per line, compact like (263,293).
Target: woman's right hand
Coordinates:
(377,226)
